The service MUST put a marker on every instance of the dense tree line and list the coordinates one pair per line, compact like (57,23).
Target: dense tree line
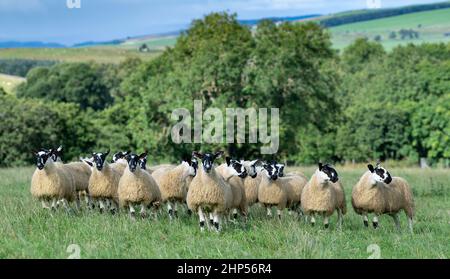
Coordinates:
(363,104)
(21,67)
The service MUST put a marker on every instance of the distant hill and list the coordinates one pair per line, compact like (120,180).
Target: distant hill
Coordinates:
(278,19)
(419,27)
(36,44)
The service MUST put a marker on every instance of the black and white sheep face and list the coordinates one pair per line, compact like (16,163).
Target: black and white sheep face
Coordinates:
(251,167)
(280,170)
(194,165)
(326,173)
(100,159)
(271,170)
(42,157)
(143,163)
(379,175)
(56,154)
(135,160)
(207,159)
(119,155)
(236,167)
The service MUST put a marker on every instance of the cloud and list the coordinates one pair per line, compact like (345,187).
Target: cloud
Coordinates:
(21,5)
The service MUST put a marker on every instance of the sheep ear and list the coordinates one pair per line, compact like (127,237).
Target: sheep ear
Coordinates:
(128,157)
(88,162)
(59,149)
(218,154)
(197,155)
(143,155)
(320,166)
(228,160)
(107,153)
(370,167)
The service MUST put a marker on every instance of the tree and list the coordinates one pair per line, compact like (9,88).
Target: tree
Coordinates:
(79,83)
(393,35)
(361,52)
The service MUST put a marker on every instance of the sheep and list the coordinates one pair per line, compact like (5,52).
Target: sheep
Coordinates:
(172,183)
(103,182)
(208,192)
(81,173)
(379,193)
(324,194)
(51,182)
(251,182)
(233,172)
(282,192)
(118,162)
(136,186)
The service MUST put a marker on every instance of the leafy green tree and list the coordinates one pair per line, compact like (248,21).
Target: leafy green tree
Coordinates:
(361,52)
(79,83)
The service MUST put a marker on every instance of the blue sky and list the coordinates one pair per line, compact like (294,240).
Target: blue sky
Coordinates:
(99,20)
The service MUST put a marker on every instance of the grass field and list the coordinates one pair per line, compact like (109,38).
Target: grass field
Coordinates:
(97,54)
(9,83)
(30,232)
(434,24)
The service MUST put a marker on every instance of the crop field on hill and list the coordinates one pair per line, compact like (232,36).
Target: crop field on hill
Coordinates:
(433,26)
(31,232)
(86,54)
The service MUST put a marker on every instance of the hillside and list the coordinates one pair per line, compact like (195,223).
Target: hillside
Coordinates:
(107,54)
(432,26)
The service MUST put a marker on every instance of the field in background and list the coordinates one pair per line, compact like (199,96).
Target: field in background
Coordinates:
(431,25)
(30,232)
(98,54)
(9,83)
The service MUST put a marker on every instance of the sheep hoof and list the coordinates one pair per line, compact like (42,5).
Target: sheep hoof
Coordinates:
(366,223)
(375,225)
(202,226)
(189,212)
(216,226)
(312,224)
(144,215)
(327,226)
(101,210)
(211,221)
(175,214)
(235,216)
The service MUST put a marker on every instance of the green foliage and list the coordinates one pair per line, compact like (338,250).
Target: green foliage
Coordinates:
(21,67)
(78,83)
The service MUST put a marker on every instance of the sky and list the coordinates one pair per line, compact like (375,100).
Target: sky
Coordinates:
(103,20)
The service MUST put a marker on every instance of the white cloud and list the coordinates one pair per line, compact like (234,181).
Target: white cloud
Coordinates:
(20,5)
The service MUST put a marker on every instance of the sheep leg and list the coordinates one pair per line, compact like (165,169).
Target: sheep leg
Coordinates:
(375,222)
(410,224)
(216,222)
(143,211)
(132,212)
(66,205)
(339,211)
(114,207)
(235,214)
(170,210)
(279,213)
(202,219)
(326,222)
(44,204)
(102,205)
(211,219)
(396,221)
(175,209)
(78,202)
(54,204)
(366,220)
(269,211)
(313,220)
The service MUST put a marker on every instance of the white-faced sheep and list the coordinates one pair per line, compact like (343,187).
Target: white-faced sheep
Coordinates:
(233,172)
(104,182)
(379,193)
(251,182)
(172,183)
(137,187)
(208,192)
(51,183)
(324,194)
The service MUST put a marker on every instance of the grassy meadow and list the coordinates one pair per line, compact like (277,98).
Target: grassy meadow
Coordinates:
(31,232)
(86,54)
(433,25)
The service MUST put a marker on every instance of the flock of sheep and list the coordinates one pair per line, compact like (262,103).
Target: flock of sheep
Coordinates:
(213,192)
